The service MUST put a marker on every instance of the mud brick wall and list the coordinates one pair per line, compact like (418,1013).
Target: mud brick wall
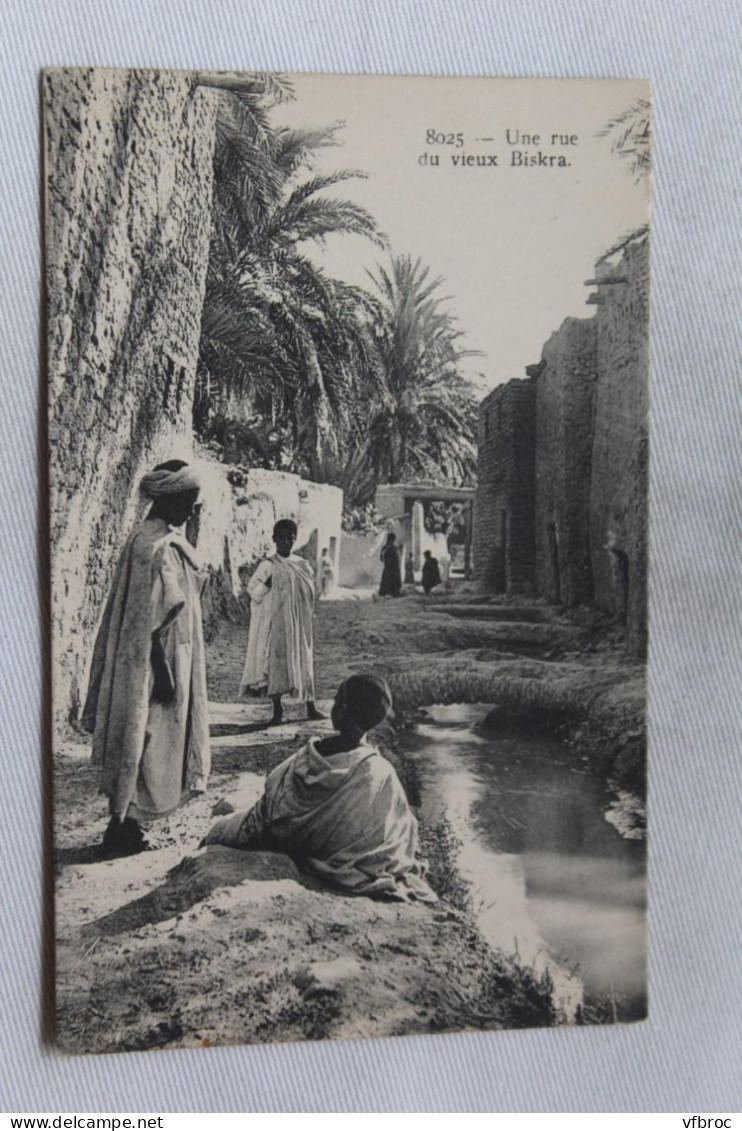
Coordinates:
(564,434)
(503,546)
(618,496)
(128,206)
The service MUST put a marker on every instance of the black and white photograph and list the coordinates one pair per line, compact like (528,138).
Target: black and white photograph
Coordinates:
(348,388)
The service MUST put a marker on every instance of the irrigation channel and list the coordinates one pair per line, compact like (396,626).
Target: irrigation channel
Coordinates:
(552,880)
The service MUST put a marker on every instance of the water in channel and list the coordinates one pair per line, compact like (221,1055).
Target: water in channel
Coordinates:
(552,881)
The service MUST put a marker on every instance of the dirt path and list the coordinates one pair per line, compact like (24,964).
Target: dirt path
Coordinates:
(181,947)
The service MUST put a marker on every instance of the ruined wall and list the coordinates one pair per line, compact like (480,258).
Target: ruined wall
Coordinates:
(564,433)
(128,205)
(503,547)
(618,496)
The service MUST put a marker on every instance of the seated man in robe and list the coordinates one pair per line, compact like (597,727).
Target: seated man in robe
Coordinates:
(280,642)
(338,808)
(146,702)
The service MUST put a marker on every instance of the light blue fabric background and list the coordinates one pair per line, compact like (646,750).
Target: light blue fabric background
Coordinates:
(687,1057)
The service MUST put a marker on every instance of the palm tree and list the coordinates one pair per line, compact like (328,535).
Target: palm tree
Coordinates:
(422,424)
(631,135)
(280,341)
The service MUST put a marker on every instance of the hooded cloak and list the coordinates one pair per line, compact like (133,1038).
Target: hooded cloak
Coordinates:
(344,817)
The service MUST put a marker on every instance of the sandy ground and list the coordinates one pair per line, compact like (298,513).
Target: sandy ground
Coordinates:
(181,946)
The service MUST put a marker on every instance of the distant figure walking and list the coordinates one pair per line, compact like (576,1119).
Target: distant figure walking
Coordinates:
(280,644)
(326,574)
(338,808)
(391,575)
(146,702)
(431,572)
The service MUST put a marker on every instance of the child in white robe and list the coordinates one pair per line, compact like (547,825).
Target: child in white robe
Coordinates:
(280,643)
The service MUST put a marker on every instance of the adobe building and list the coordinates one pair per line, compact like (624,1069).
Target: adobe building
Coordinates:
(619,467)
(561,505)
(565,396)
(503,545)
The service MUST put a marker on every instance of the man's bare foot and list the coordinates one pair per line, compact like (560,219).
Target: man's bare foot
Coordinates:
(313,713)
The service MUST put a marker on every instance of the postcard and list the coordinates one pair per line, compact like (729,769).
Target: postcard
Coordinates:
(348,395)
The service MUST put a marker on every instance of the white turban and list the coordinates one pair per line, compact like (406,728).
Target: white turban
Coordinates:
(163,482)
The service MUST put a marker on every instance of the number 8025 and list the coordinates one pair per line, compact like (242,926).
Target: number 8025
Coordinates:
(436,137)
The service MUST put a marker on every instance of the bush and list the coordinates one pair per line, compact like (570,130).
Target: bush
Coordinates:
(363,520)
(249,443)
(444,518)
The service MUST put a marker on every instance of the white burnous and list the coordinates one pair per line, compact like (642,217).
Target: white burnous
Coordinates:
(280,645)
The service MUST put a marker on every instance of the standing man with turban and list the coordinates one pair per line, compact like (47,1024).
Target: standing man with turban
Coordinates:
(146,703)
(280,642)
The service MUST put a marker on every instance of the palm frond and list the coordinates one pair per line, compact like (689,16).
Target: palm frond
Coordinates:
(630,134)
(320,182)
(317,218)
(295,147)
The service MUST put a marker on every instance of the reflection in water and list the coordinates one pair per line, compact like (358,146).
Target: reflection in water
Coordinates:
(552,880)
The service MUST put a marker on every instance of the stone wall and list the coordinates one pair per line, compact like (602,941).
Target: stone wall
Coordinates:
(128,206)
(503,546)
(565,388)
(619,475)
